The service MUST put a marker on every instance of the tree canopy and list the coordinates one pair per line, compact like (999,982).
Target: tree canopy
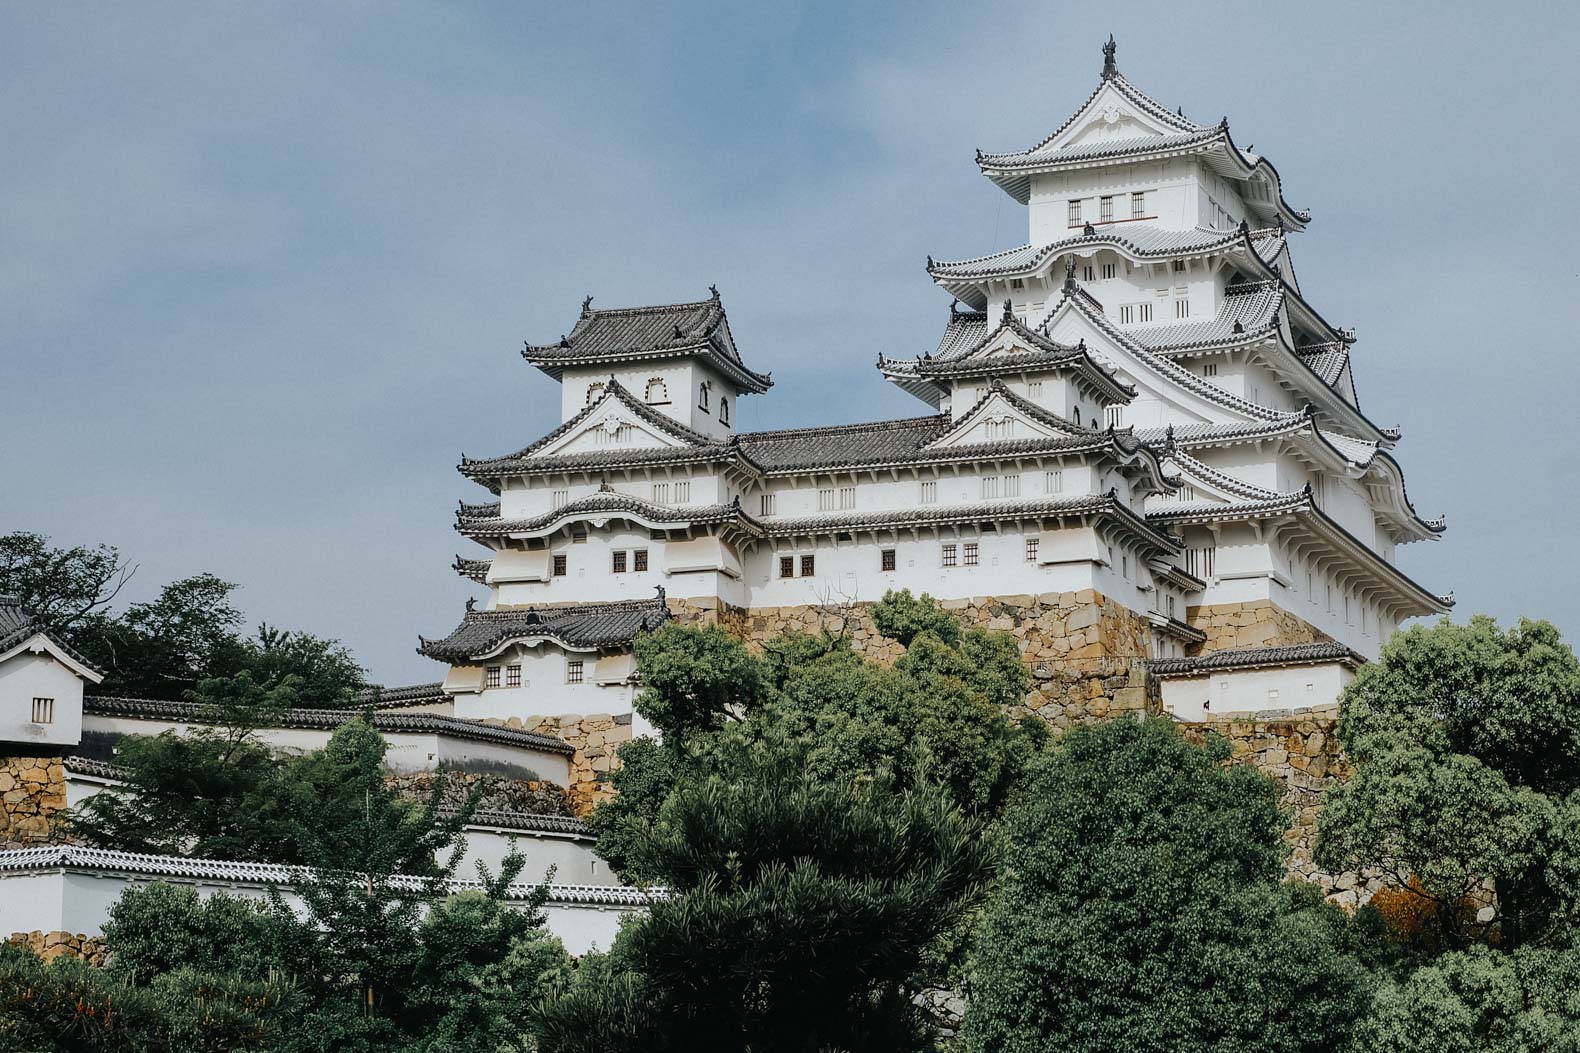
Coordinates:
(1141,910)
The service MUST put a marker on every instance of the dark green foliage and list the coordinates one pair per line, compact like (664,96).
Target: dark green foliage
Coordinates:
(71,1007)
(213,792)
(799,913)
(161,928)
(1479,1001)
(903,617)
(694,680)
(323,672)
(1467,739)
(646,774)
(1142,911)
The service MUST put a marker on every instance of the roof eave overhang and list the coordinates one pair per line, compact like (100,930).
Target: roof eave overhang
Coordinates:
(40,643)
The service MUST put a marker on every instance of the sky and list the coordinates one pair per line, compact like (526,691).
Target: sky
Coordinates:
(265,269)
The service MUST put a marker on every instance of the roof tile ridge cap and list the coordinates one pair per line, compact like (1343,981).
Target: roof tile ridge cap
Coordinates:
(860,425)
(653,308)
(939,265)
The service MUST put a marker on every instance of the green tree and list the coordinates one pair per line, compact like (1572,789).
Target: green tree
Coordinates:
(60,586)
(162,928)
(903,617)
(695,680)
(323,672)
(798,916)
(1141,910)
(210,792)
(1467,745)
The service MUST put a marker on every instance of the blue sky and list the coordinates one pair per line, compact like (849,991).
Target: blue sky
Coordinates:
(265,268)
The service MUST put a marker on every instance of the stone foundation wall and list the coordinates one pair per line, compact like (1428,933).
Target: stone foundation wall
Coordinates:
(500,794)
(1301,751)
(1087,654)
(1257,624)
(32,790)
(595,737)
(52,945)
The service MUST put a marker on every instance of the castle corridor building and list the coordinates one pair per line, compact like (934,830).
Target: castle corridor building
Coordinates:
(1142,453)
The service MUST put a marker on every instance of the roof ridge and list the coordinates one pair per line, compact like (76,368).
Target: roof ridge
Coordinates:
(826,428)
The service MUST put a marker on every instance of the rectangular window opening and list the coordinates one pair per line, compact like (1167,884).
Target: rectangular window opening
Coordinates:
(886,559)
(573,671)
(970,553)
(491,676)
(513,675)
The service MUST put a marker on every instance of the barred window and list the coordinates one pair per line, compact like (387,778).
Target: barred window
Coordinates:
(886,559)
(682,493)
(559,499)
(1181,308)
(1109,270)
(661,493)
(825,500)
(1144,312)
(559,566)
(971,553)
(1053,481)
(491,676)
(1199,562)
(1138,204)
(724,410)
(951,555)
(1105,210)
(929,493)
(989,487)
(808,566)
(639,559)
(1114,416)
(1032,544)
(1127,314)
(770,504)
(1075,213)
(787,566)
(619,562)
(573,671)
(1088,274)
(513,675)
(43,710)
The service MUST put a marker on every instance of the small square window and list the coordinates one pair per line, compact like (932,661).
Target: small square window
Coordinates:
(971,553)
(1032,544)
(43,710)
(787,566)
(1181,308)
(1127,314)
(513,675)
(619,562)
(886,559)
(951,555)
(808,566)
(1017,283)
(639,559)
(573,671)
(491,676)
(559,566)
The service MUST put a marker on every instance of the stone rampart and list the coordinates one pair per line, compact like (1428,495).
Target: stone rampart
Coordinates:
(32,791)
(1231,626)
(52,945)
(595,737)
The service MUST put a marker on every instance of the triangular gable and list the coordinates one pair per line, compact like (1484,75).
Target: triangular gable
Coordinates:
(1154,377)
(1112,114)
(1200,484)
(42,643)
(617,421)
(1000,416)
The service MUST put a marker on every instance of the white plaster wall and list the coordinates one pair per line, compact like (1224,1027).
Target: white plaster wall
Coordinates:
(1250,690)
(572,858)
(544,691)
(26,676)
(408,752)
(683,379)
(80,902)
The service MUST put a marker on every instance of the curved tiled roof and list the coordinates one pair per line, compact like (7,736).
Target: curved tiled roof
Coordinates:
(1253,657)
(17,626)
(588,625)
(378,697)
(605,502)
(1247,309)
(877,442)
(94,767)
(1139,239)
(634,333)
(328,720)
(78,857)
(475,569)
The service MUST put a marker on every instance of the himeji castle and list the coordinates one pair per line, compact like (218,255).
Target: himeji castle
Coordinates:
(1142,452)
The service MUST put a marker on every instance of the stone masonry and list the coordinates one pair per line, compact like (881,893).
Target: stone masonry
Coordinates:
(595,738)
(1230,626)
(52,945)
(32,790)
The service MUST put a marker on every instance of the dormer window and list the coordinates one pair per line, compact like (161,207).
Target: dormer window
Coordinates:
(724,410)
(594,393)
(702,395)
(1075,213)
(657,392)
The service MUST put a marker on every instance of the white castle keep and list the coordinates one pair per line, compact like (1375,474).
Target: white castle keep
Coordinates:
(1143,454)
